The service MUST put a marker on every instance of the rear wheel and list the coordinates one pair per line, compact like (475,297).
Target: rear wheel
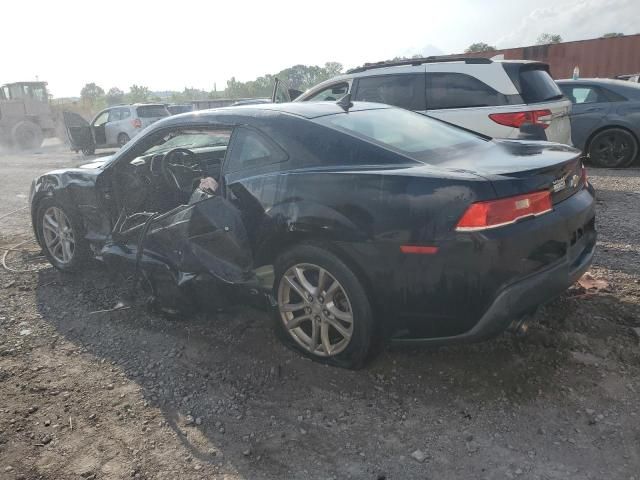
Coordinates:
(123,138)
(613,148)
(27,135)
(323,310)
(61,236)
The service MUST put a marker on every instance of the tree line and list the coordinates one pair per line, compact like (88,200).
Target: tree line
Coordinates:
(299,77)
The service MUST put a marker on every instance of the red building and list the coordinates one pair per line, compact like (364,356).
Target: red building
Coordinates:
(599,57)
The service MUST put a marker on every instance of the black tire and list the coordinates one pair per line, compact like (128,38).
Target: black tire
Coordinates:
(361,342)
(123,138)
(613,148)
(27,135)
(88,151)
(81,251)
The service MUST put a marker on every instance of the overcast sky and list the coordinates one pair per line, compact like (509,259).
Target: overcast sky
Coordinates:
(169,45)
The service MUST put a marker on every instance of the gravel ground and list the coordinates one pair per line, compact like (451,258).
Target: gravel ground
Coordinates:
(128,394)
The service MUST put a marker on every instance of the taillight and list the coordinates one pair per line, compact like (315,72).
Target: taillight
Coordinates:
(517,119)
(584,175)
(136,122)
(495,213)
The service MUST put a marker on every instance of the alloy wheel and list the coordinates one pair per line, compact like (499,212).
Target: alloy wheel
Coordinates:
(58,235)
(315,309)
(611,149)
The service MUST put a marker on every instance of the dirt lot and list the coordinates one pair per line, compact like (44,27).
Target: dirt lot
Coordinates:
(131,395)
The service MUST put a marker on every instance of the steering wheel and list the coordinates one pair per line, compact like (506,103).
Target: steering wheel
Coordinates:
(180,167)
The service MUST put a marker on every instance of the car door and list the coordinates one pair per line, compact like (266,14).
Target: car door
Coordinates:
(112,127)
(98,125)
(204,236)
(590,107)
(78,131)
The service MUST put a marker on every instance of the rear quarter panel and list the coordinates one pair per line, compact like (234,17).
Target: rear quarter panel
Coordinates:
(363,216)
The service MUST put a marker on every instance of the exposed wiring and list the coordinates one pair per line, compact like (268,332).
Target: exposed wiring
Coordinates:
(13,249)
(15,211)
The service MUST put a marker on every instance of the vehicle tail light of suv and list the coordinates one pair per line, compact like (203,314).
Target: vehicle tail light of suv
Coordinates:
(517,119)
(136,122)
(496,213)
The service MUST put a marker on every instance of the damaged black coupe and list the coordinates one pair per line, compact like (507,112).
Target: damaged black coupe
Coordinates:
(352,223)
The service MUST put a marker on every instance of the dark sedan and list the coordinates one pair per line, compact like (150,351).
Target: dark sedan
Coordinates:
(352,223)
(605,119)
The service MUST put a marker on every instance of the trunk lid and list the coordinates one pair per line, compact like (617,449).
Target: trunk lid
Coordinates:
(516,167)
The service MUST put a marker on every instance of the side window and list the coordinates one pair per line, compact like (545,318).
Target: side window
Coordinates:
(458,90)
(250,149)
(587,95)
(114,115)
(125,113)
(102,119)
(331,93)
(404,91)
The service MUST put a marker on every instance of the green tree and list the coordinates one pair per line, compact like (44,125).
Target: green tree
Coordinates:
(91,94)
(613,35)
(479,47)
(138,94)
(114,96)
(547,38)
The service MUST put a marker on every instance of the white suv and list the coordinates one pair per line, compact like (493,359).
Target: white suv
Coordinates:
(501,99)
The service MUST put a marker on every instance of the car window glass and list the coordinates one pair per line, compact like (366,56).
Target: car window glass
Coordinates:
(191,139)
(331,93)
(39,93)
(114,115)
(404,91)
(457,90)
(587,95)
(414,134)
(102,118)
(251,149)
(125,113)
(152,111)
(537,86)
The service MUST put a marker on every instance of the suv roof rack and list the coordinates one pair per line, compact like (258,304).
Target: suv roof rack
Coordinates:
(419,61)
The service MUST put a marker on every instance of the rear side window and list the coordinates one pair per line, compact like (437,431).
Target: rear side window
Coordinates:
(152,111)
(250,149)
(114,115)
(536,85)
(414,134)
(458,90)
(404,91)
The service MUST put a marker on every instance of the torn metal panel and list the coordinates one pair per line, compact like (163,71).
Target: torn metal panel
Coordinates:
(206,237)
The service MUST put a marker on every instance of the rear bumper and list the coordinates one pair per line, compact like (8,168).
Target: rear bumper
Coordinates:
(479,284)
(520,298)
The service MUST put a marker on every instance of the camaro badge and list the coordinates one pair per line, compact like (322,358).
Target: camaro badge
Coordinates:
(559,184)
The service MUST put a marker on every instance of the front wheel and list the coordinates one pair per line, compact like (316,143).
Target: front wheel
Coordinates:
(323,310)
(61,236)
(613,148)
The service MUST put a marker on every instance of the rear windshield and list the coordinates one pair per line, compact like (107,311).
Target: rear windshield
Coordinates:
(538,86)
(416,135)
(152,111)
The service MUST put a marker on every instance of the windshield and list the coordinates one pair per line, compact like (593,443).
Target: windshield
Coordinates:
(418,136)
(192,140)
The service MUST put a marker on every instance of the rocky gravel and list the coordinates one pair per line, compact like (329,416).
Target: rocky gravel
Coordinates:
(92,394)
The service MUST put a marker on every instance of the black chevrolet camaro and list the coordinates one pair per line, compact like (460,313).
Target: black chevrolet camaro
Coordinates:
(352,223)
